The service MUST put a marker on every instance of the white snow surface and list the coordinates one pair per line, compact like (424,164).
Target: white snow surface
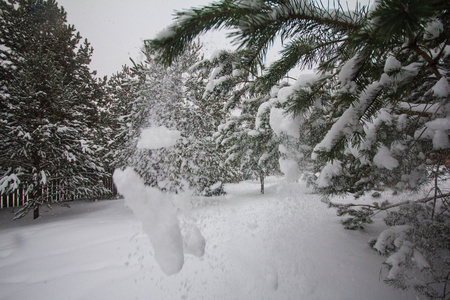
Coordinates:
(156,137)
(285,244)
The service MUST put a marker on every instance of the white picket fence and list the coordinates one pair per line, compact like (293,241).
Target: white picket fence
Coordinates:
(55,193)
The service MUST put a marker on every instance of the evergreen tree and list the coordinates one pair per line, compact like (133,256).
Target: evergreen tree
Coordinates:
(376,116)
(124,121)
(48,128)
(153,96)
(250,146)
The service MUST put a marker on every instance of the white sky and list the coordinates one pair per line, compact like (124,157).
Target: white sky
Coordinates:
(116,28)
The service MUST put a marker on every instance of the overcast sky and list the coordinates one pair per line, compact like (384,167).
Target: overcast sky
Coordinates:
(116,28)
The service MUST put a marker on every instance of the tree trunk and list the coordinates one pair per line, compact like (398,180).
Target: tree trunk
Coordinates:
(36,212)
(261,180)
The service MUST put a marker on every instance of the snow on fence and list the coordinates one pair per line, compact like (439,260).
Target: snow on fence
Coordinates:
(55,193)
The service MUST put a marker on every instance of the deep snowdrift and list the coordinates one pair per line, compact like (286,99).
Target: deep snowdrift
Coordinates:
(285,244)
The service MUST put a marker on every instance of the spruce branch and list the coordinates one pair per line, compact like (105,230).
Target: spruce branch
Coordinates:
(431,62)
(192,23)
(258,25)
(302,52)
(387,206)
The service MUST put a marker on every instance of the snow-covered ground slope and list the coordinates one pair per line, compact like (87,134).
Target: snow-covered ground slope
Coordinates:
(285,244)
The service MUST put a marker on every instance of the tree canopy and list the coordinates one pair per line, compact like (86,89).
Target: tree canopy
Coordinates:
(48,104)
(368,60)
(374,116)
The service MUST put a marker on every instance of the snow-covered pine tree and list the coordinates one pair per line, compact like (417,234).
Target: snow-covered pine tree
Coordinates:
(245,135)
(381,102)
(123,121)
(48,113)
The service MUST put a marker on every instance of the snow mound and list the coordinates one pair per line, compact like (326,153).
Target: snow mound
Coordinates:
(193,241)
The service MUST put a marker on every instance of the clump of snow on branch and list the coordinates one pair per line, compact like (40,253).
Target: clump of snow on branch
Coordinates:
(394,240)
(166,32)
(305,80)
(280,122)
(433,30)
(332,169)
(398,259)
(384,159)
(392,64)
(371,129)
(43,180)
(158,137)
(9,183)
(262,110)
(348,72)
(349,122)
(441,89)
(391,238)
(437,130)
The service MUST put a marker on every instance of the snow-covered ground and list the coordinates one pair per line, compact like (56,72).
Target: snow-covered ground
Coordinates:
(285,244)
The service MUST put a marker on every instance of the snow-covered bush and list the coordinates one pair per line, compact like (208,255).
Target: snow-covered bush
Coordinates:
(418,248)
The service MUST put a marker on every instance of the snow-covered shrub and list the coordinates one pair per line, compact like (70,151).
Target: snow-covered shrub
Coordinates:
(418,248)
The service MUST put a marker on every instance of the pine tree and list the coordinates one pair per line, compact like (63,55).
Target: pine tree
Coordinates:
(48,113)
(123,121)
(250,146)
(375,117)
